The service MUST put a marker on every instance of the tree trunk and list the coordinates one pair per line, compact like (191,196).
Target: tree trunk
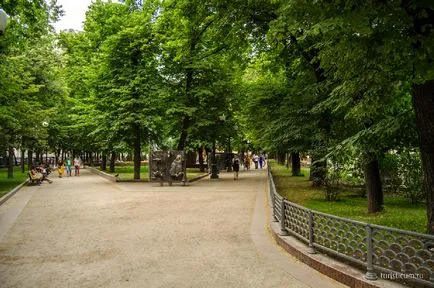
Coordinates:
(295,159)
(280,157)
(318,172)
(90,155)
(29,159)
(423,104)
(373,186)
(137,152)
(112,162)
(104,162)
(186,120)
(57,155)
(10,162)
(37,156)
(191,159)
(23,165)
(202,167)
(287,159)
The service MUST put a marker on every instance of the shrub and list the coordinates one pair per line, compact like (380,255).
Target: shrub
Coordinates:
(332,182)
(411,175)
(389,172)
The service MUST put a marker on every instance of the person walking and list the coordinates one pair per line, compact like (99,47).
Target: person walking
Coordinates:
(236,166)
(60,168)
(256,160)
(261,161)
(68,167)
(77,166)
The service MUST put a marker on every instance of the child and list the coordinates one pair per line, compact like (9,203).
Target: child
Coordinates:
(60,169)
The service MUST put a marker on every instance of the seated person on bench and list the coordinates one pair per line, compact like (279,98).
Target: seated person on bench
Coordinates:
(42,170)
(35,176)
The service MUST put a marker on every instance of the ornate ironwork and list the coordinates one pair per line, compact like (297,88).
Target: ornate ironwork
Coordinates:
(341,235)
(297,220)
(403,252)
(403,255)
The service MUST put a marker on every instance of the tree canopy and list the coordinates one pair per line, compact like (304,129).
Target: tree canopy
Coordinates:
(341,81)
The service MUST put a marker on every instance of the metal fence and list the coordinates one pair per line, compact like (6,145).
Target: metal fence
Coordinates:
(396,254)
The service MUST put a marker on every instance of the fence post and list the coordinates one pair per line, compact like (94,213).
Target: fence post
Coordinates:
(370,274)
(283,231)
(273,202)
(311,249)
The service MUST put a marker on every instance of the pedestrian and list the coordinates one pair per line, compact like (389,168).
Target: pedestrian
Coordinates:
(261,161)
(247,162)
(236,166)
(256,160)
(60,168)
(77,166)
(68,166)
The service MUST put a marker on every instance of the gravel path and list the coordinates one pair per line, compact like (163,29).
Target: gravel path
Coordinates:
(88,232)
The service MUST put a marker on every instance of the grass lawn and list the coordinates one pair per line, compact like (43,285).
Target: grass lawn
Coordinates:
(6,184)
(127,172)
(398,213)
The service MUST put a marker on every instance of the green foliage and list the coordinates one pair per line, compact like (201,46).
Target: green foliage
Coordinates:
(411,175)
(398,213)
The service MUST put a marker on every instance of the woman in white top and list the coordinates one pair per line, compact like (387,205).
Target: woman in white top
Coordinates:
(77,166)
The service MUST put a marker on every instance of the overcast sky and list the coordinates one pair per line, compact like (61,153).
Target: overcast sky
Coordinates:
(75,11)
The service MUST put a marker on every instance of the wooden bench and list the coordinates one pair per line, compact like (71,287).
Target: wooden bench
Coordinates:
(33,179)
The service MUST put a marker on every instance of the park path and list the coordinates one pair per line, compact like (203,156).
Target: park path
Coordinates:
(88,232)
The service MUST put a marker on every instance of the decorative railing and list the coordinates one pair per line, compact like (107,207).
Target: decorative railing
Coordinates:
(396,254)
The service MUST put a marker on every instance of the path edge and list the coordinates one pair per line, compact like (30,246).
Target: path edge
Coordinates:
(11,193)
(116,179)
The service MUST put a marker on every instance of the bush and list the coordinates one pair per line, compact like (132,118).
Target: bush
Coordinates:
(411,175)
(332,182)
(389,172)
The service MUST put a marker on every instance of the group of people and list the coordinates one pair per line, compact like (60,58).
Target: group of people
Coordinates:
(67,164)
(40,173)
(257,160)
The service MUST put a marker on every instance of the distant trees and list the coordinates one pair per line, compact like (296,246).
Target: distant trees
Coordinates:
(340,81)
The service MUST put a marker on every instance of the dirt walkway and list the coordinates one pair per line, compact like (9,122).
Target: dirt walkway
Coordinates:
(88,232)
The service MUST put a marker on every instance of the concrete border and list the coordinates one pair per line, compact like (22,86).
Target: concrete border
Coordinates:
(116,179)
(102,174)
(197,178)
(11,193)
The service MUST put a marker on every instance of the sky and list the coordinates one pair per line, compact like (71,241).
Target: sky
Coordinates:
(75,11)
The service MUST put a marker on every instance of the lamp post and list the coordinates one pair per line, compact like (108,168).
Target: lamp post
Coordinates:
(3,21)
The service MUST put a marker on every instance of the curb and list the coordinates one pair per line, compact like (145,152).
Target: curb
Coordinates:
(337,270)
(116,179)
(12,192)
(102,174)
(197,178)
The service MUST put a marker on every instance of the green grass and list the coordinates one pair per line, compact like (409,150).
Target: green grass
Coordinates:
(127,172)
(6,184)
(398,213)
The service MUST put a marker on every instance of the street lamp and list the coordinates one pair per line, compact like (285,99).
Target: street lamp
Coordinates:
(3,21)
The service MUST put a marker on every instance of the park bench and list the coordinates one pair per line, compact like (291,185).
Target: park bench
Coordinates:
(33,179)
